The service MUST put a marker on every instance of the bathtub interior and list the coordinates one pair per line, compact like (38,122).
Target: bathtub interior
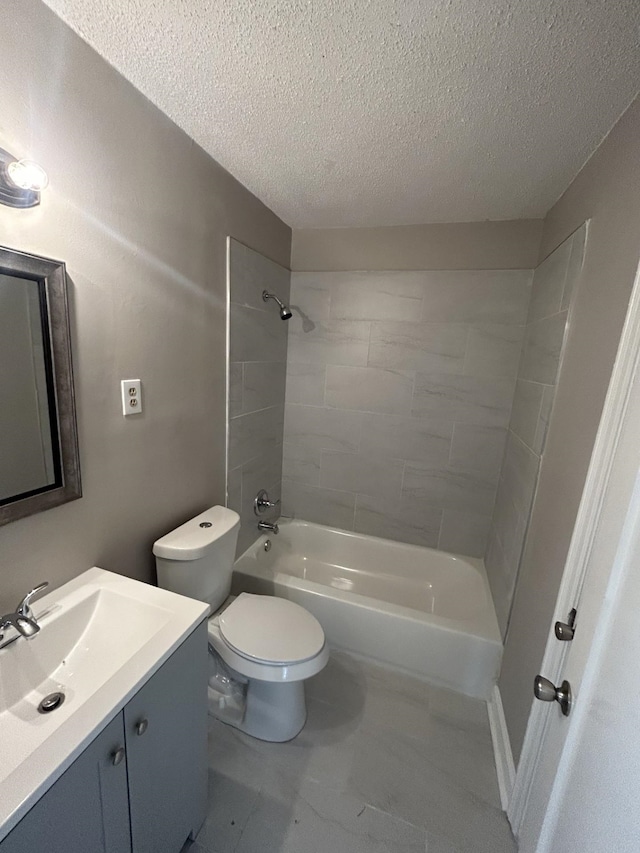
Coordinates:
(416,610)
(408,576)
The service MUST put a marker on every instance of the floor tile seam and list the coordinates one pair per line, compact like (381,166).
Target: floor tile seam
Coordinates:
(254,808)
(395,817)
(365,805)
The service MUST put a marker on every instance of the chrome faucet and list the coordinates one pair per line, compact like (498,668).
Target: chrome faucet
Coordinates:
(23,619)
(271,526)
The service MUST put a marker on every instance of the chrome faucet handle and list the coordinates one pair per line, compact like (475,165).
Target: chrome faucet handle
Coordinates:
(24,625)
(261,502)
(24,609)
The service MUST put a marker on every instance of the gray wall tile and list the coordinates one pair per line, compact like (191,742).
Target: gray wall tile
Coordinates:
(477,296)
(496,574)
(361,473)
(464,533)
(256,335)
(458,490)
(305,383)
(542,349)
(510,525)
(310,298)
(418,346)
(575,265)
(257,371)
(526,410)
(335,509)
(520,473)
(234,488)
(542,425)
(478,449)
(301,464)
(236,374)
(376,295)
(493,349)
(315,429)
(553,284)
(548,284)
(407,520)
(264,384)
(394,349)
(411,438)
(341,342)
(369,389)
(255,434)
(481,400)
(251,274)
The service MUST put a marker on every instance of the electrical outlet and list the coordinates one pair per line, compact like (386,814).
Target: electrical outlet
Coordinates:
(131,390)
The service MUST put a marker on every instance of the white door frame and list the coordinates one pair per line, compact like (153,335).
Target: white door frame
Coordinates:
(530,796)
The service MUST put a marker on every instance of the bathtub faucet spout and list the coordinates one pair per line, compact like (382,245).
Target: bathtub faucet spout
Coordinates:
(271,526)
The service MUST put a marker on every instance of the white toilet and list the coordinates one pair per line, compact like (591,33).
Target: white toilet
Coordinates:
(269,645)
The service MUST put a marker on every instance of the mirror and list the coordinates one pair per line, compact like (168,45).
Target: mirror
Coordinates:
(39,463)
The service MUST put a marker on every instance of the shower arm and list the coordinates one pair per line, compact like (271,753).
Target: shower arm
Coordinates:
(266,296)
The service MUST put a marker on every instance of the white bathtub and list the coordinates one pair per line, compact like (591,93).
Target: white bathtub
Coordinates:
(422,611)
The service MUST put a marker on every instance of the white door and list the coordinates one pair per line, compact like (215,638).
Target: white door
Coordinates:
(578,782)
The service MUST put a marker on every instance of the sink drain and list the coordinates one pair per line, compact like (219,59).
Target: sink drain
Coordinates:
(51,702)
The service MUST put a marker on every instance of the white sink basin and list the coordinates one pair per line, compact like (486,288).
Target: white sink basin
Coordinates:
(101,637)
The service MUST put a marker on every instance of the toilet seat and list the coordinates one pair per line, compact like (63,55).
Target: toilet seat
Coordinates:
(257,667)
(271,630)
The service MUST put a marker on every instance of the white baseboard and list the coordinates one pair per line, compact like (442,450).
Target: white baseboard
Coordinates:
(501,747)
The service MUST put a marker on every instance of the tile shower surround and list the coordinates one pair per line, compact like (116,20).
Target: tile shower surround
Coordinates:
(257,368)
(399,394)
(554,283)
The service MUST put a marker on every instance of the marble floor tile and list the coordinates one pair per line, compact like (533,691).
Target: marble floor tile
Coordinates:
(317,819)
(385,764)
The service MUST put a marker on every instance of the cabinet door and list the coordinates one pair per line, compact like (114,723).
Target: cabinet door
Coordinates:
(86,809)
(166,734)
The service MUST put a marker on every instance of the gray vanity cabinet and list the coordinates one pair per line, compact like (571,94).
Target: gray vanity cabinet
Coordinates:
(86,809)
(166,734)
(141,785)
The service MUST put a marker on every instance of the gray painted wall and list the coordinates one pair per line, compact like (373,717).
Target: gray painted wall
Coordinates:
(606,194)
(257,370)
(511,244)
(399,392)
(141,216)
(554,284)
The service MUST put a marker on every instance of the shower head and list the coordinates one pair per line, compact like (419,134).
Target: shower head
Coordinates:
(285,313)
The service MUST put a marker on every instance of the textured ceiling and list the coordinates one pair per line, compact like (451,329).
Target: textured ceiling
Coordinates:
(381,112)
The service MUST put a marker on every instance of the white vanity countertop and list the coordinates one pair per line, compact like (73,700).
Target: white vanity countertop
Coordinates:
(102,636)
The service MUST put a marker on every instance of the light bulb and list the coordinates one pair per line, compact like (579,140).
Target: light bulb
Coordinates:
(27,175)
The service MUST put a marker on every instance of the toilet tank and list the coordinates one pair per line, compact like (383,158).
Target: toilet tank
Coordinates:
(196,559)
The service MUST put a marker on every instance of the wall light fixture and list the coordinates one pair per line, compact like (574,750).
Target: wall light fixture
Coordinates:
(21,181)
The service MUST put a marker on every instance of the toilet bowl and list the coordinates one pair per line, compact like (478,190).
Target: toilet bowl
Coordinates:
(268,646)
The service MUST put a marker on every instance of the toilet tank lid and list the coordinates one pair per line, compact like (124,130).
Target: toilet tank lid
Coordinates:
(193,539)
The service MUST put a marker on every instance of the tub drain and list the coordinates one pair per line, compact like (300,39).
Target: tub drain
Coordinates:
(51,702)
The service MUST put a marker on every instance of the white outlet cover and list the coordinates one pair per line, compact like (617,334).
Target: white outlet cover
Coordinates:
(131,392)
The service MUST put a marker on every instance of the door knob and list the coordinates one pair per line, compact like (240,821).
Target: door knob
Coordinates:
(546,691)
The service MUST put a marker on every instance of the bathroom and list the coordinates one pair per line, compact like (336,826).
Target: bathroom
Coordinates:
(142,216)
